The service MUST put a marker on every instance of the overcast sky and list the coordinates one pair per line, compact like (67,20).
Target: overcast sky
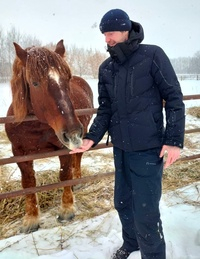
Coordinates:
(171,24)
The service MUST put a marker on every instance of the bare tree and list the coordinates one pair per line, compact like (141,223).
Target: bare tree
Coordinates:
(94,59)
(3,62)
(29,41)
(7,51)
(12,36)
(76,58)
(195,63)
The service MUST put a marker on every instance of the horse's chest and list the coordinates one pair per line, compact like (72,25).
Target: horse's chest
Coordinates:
(33,135)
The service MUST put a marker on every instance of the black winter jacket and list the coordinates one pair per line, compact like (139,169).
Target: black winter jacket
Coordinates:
(133,82)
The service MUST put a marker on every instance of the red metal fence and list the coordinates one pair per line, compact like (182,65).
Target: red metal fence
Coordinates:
(16,159)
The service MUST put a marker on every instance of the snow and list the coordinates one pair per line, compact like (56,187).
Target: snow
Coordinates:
(99,237)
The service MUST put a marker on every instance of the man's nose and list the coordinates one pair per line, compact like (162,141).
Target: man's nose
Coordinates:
(107,39)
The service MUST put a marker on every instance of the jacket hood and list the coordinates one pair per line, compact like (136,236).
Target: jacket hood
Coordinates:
(121,51)
(136,33)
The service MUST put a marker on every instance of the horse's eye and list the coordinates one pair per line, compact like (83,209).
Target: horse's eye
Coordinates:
(35,84)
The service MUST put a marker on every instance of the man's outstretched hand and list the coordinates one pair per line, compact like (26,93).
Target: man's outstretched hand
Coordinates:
(87,143)
(173,153)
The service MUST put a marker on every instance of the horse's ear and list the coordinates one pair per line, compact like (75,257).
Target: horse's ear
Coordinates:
(60,48)
(21,53)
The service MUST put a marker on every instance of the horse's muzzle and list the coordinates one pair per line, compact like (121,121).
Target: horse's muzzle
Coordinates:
(71,140)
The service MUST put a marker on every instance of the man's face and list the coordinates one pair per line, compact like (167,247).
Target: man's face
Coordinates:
(114,37)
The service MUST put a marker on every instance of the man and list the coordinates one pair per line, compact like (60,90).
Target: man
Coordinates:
(133,82)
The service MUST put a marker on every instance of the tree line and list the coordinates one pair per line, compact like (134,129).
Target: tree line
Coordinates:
(83,62)
(187,65)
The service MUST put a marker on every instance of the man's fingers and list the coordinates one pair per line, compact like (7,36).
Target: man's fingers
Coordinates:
(169,161)
(87,143)
(78,150)
(161,153)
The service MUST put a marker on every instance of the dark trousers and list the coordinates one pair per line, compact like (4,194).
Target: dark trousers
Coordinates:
(138,181)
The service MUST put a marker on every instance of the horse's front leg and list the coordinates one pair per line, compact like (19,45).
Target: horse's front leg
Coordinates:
(31,218)
(69,166)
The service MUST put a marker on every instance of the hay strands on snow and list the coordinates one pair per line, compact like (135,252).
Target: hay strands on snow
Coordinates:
(55,185)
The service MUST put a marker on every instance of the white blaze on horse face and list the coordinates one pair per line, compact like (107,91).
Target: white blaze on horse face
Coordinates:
(54,75)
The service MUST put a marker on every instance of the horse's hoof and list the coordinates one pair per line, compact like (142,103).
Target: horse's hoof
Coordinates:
(62,219)
(28,229)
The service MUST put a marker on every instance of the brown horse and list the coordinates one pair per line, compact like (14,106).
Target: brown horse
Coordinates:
(42,85)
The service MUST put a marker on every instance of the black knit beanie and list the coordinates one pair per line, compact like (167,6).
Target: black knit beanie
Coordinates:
(115,20)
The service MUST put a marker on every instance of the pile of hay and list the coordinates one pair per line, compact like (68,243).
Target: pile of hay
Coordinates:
(91,199)
(194,111)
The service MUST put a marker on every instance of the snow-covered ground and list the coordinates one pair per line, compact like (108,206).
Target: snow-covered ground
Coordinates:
(99,237)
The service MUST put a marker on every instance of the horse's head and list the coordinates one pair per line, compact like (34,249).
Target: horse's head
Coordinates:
(45,91)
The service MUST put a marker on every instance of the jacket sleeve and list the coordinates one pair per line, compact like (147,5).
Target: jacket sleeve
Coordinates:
(170,90)
(101,121)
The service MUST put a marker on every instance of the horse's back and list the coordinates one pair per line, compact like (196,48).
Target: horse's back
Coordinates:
(80,87)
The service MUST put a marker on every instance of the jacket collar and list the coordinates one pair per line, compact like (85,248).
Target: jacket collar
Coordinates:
(122,51)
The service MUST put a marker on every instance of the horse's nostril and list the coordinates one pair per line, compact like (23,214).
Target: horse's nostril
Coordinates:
(65,137)
(81,132)
(71,139)
(73,136)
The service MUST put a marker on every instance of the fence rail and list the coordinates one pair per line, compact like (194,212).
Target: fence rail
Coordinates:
(17,159)
(188,76)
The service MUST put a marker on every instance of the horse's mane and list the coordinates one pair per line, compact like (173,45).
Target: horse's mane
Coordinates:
(19,91)
(39,61)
